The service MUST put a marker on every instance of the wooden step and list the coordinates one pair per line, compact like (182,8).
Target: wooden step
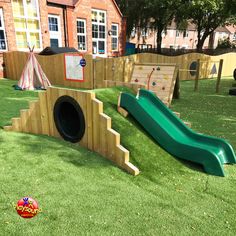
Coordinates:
(122,111)
(7,128)
(176,113)
(16,124)
(188,124)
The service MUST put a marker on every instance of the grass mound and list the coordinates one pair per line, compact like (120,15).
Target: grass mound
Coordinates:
(81,193)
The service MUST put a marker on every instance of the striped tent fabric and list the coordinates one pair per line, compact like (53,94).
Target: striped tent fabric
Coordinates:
(33,76)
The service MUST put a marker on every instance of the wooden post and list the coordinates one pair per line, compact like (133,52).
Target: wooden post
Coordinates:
(176,94)
(219,75)
(197,75)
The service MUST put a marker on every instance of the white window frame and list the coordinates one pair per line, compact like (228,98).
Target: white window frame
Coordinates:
(82,34)
(133,33)
(4,32)
(55,34)
(96,40)
(145,32)
(26,17)
(177,34)
(115,37)
(234,36)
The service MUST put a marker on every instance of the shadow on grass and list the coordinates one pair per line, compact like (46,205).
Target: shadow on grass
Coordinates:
(50,146)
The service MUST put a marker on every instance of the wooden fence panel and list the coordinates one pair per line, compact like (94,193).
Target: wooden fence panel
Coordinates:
(53,67)
(99,65)
(100,70)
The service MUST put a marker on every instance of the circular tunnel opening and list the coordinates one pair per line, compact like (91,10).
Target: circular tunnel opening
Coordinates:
(69,119)
(192,68)
(234,73)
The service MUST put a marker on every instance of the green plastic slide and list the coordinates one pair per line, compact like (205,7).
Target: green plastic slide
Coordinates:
(174,136)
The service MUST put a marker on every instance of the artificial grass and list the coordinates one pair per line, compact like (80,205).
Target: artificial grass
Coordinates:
(83,194)
(12,101)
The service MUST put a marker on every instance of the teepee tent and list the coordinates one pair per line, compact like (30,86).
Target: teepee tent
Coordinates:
(33,76)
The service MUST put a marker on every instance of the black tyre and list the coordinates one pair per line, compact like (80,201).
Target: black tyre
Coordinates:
(69,119)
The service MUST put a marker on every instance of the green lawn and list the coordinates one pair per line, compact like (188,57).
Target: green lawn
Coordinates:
(81,193)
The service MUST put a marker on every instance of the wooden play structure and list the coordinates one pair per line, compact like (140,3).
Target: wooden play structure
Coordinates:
(97,136)
(62,112)
(159,78)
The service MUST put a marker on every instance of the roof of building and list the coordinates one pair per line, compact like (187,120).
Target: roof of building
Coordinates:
(222,29)
(226,29)
(189,27)
(72,3)
(64,2)
(56,50)
(231,28)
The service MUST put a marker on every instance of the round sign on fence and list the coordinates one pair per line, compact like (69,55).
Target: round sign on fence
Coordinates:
(83,62)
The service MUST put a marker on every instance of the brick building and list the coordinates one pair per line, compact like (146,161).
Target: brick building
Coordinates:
(95,27)
(185,39)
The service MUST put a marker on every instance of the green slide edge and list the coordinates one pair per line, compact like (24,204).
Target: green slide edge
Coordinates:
(174,136)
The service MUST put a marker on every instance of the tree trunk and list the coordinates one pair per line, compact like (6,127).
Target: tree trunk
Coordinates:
(159,39)
(201,40)
(211,41)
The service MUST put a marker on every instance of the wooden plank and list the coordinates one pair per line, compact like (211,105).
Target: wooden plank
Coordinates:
(25,122)
(8,128)
(105,124)
(197,76)
(81,98)
(16,124)
(53,98)
(113,141)
(43,108)
(50,111)
(97,107)
(35,118)
(219,75)
(99,72)
(89,111)
(88,72)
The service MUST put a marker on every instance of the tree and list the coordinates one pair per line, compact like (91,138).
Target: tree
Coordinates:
(155,14)
(135,12)
(207,15)
(162,12)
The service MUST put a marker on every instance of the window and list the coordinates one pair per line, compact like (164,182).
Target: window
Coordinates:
(133,32)
(54,30)
(114,37)
(3,44)
(27,24)
(81,34)
(177,33)
(99,32)
(163,34)
(144,32)
(234,36)
(185,34)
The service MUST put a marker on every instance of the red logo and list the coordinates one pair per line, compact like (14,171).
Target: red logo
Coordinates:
(27,207)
